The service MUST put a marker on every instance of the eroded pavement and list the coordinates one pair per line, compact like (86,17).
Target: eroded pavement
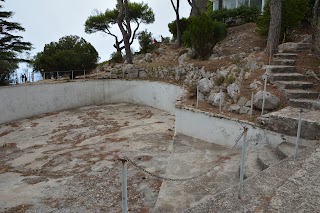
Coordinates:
(69,161)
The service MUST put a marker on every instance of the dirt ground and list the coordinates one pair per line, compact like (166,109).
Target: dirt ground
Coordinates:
(69,161)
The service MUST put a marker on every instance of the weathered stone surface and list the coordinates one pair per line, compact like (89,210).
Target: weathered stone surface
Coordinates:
(244,110)
(234,108)
(285,187)
(214,98)
(271,101)
(233,90)
(285,122)
(205,85)
(242,101)
(182,58)
(148,57)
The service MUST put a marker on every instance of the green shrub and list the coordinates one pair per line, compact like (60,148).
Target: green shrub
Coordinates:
(203,34)
(219,81)
(293,13)
(229,80)
(236,16)
(116,58)
(145,41)
(184,24)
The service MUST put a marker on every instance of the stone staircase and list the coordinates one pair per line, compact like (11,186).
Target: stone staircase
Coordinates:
(259,160)
(283,73)
(287,186)
(298,91)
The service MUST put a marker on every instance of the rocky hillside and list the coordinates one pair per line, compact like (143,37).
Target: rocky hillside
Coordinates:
(233,73)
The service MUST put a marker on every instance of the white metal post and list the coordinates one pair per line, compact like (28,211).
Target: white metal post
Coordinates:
(244,147)
(251,107)
(72,74)
(197,96)
(298,136)
(124,186)
(220,103)
(264,93)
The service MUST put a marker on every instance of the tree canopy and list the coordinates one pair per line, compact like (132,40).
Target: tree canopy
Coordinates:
(69,53)
(11,45)
(138,13)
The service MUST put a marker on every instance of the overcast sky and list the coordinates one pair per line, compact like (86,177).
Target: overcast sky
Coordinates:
(48,20)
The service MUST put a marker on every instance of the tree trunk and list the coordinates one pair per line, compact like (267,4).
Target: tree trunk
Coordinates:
(126,33)
(275,26)
(176,9)
(316,27)
(220,4)
(198,6)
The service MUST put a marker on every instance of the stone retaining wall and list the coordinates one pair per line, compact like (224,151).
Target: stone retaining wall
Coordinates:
(23,101)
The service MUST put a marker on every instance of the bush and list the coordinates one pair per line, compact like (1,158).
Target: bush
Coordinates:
(184,24)
(293,13)
(116,58)
(203,34)
(236,16)
(145,41)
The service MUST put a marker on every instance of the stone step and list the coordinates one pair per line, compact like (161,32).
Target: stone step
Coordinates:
(285,122)
(292,47)
(293,84)
(279,69)
(267,157)
(285,56)
(287,77)
(288,62)
(301,94)
(286,149)
(252,167)
(311,104)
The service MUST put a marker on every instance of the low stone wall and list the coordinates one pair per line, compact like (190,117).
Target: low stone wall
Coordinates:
(28,100)
(225,131)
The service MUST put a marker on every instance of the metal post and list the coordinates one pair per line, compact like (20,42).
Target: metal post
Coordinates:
(264,93)
(298,136)
(72,74)
(84,73)
(197,96)
(124,186)
(220,104)
(251,109)
(57,75)
(244,147)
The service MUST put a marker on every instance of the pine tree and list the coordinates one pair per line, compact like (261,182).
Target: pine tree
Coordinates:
(11,45)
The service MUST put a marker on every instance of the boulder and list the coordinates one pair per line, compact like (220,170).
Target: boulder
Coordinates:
(234,108)
(244,110)
(205,85)
(253,85)
(148,57)
(242,101)
(214,98)
(182,58)
(233,90)
(271,101)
